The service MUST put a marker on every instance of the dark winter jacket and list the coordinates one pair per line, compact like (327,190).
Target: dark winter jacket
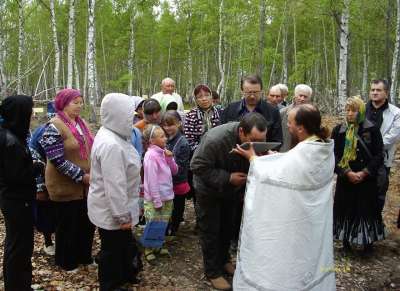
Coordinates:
(181,149)
(16,168)
(372,139)
(236,110)
(213,162)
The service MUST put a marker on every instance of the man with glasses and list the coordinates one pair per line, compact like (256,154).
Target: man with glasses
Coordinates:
(251,88)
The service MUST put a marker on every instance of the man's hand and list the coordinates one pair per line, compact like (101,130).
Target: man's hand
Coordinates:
(353,177)
(126,226)
(238,178)
(86,179)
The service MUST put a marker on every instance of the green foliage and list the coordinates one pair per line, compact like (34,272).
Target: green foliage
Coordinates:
(166,30)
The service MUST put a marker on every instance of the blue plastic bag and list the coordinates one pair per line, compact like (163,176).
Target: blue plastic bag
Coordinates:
(154,234)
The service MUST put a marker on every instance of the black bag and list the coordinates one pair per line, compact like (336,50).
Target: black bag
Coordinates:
(382,176)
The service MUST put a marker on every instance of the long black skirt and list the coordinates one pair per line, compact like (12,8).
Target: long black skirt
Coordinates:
(356,214)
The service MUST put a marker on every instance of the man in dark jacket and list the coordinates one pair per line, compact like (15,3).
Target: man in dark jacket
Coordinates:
(17,191)
(219,176)
(251,87)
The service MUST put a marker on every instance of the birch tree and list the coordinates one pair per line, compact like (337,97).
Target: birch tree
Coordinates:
(91,57)
(131,55)
(343,57)
(21,36)
(56,47)
(395,66)
(261,44)
(221,60)
(71,44)
(3,80)
(189,47)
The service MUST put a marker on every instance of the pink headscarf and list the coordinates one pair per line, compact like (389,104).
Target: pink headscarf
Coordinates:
(63,98)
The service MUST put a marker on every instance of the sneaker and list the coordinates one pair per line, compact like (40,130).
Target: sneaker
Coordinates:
(50,250)
(220,283)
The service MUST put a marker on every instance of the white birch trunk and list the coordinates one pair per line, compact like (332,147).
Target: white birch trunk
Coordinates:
(221,61)
(343,58)
(71,44)
(364,86)
(393,89)
(189,47)
(20,44)
(131,56)
(3,78)
(92,92)
(262,38)
(77,75)
(56,47)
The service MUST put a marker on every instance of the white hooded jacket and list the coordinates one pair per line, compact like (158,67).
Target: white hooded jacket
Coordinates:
(115,166)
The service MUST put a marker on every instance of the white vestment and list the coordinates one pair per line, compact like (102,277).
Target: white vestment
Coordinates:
(286,238)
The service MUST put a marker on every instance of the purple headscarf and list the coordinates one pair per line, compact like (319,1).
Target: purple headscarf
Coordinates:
(63,98)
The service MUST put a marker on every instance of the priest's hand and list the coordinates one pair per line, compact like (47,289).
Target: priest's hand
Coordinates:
(247,154)
(238,178)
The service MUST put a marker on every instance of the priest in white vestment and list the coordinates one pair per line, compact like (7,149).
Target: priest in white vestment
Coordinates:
(286,238)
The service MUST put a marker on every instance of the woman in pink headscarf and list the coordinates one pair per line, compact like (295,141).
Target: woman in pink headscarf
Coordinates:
(67,142)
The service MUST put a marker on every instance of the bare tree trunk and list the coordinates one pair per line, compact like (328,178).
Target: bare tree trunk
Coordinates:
(56,47)
(92,78)
(284,78)
(364,86)
(44,63)
(388,33)
(328,84)
(21,36)
(261,45)
(274,58)
(294,43)
(221,60)
(71,44)
(85,76)
(343,57)
(103,49)
(3,78)
(131,56)
(395,63)
(77,75)
(189,47)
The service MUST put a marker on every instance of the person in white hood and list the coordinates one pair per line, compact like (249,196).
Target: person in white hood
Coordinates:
(286,238)
(114,191)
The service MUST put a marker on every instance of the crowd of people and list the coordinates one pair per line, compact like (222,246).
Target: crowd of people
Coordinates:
(150,155)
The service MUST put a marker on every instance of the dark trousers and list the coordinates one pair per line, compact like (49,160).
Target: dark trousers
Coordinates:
(382,195)
(74,234)
(18,246)
(215,222)
(116,259)
(177,213)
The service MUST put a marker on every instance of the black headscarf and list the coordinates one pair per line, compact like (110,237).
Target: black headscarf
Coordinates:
(16,112)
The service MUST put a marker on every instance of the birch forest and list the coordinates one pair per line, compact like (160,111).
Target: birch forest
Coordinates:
(129,46)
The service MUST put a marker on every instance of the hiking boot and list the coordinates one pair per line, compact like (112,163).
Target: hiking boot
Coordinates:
(229,268)
(220,283)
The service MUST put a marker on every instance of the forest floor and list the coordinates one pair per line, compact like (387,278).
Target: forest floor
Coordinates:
(184,271)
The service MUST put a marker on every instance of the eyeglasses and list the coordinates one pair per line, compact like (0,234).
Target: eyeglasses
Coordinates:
(203,97)
(253,93)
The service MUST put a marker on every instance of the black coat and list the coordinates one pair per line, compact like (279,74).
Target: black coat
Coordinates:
(372,139)
(16,168)
(213,162)
(270,113)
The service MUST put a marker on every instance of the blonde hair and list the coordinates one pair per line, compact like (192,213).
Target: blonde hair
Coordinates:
(353,103)
(149,132)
